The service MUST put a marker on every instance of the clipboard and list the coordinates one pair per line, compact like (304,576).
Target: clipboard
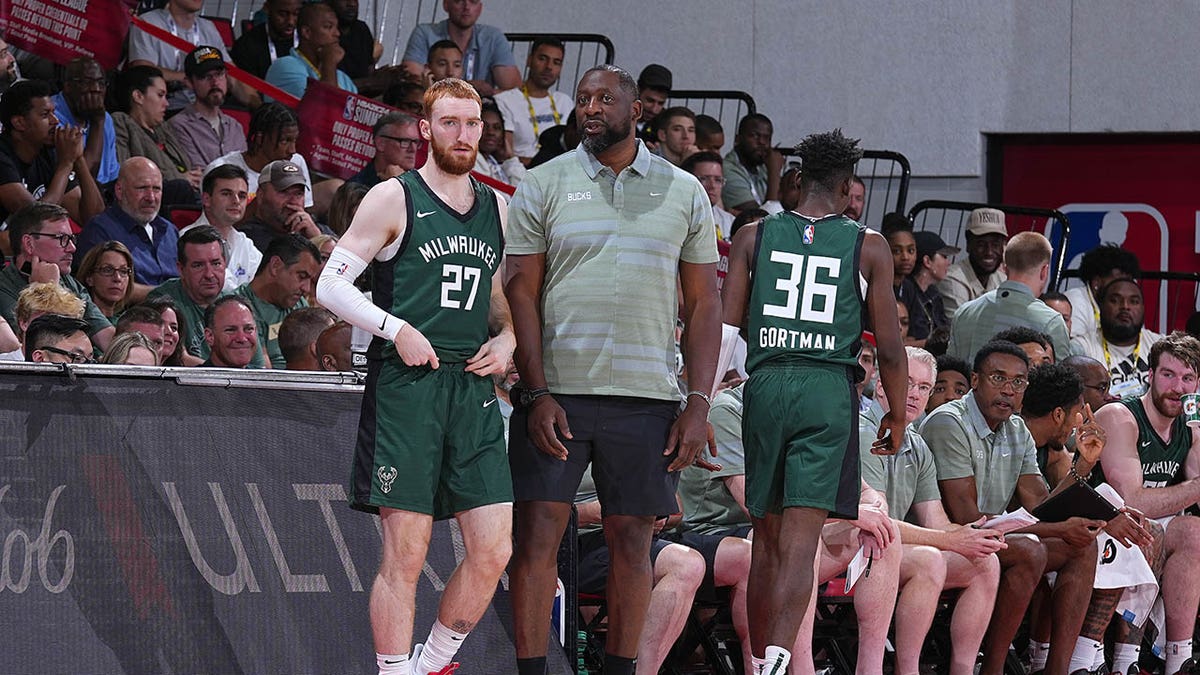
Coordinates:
(1080,500)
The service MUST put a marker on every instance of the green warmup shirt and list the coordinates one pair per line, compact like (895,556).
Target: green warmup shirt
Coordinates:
(268,318)
(807,294)
(439,279)
(1162,461)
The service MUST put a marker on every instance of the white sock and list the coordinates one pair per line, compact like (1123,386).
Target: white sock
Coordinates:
(1099,660)
(1178,651)
(1038,653)
(1124,655)
(392,664)
(776,661)
(1084,654)
(440,648)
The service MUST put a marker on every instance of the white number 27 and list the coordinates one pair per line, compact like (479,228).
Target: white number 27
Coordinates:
(813,289)
(453,277)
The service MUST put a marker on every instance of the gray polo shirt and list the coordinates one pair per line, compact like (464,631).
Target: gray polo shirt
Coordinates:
(1010,304)
(963,445)
(613,245)
(708,506)
(915,473)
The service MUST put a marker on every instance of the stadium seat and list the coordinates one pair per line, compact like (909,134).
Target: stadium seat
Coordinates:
(224,27)
(182,216)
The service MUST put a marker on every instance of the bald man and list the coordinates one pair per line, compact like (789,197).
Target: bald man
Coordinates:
(333,348)
(134,221)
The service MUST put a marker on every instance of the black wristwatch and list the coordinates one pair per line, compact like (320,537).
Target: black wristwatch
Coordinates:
(528,396)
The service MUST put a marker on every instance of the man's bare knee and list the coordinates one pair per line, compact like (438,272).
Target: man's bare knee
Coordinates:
(681,564)
(925,564)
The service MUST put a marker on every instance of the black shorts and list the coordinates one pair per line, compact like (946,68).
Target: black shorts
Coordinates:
(706,545)
(622,437)
(594,560)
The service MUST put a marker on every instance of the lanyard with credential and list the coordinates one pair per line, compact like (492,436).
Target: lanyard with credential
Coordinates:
(533,115)
(1108,357)
(193,36)
(271,45)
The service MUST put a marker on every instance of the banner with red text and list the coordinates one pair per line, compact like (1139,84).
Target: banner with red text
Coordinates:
(60,30)
(335,129)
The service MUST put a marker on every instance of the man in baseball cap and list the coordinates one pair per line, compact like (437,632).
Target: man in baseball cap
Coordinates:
(980,272)
(926,310)
(278,207)
(203,130)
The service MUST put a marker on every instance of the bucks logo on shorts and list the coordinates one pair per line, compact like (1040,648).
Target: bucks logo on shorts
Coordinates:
(386,474)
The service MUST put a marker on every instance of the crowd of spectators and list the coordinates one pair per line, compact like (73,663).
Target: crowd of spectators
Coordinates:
(1007,377)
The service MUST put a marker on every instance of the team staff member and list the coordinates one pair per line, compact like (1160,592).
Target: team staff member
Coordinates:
(601,239)
(436,236)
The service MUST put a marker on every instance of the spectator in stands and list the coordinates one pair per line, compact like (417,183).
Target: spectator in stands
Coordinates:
(325,243)
(676,134)
(231,333)
(279,207)
(407,96)
(182,19)
(142,132)
(710,135)
(344,206)
(1013,303)
(1035,345)
(904,260)
(134,221)
(654,88)
(714,504)
(708,168)
(81,104)
(748,170)
(985,457)
(555,141)
(44,245)
(223,195)
(1097,268)
(495,158)
(925,310)
(534,107)
(445,60)
(937,553)
(1061,304)
(106,271)
(130,349)
(8,67)
(333,348)
(396,141)
(259,47)
(905,320)
(789,191)
(173,337)
(204,132)
(45,298)
(272,136)
(1095,378)
(147,321)
(282,284)
(53,338)
(201,277)
(488,62)
(317,57)
(858,201)
(362,49)
(952,383)
(40,161)
(298,335)
(1121,341)
(1146,459)
(980,272)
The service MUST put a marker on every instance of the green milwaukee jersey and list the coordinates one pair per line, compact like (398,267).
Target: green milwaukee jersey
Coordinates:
(440,278)
(1162,462)
(806,292)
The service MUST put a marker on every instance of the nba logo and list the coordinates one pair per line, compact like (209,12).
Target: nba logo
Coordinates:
(1139,228)
(348,111)
(808,233)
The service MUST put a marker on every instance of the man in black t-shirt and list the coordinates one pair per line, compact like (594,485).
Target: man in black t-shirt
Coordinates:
(258,47)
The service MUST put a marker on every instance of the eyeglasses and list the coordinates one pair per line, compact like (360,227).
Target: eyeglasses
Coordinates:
(73,357)
(1018,383)
(921,387)
(64,240)
(715,180)
(110,271)
(1102,388)
(404,142)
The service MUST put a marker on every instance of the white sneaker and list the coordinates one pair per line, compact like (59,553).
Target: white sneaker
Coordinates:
(416,655)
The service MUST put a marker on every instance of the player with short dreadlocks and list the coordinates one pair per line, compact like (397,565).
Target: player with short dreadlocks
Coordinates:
(798,285)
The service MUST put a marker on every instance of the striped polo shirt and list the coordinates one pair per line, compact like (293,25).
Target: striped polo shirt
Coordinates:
(613,244)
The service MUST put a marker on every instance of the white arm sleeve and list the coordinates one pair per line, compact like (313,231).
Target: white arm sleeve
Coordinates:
(336,292)
(729,337)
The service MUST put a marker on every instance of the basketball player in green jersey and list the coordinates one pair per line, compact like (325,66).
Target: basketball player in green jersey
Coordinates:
(1152,459)
(431,440)
(798,283)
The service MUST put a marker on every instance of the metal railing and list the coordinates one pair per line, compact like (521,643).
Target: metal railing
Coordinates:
(581,51)
(886,175)
(727,106)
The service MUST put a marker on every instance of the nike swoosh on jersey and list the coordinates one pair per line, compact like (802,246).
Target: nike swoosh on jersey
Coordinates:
(422,214)
(488,403)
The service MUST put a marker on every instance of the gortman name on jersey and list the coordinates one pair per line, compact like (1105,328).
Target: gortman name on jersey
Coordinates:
(784,338)
(460,243)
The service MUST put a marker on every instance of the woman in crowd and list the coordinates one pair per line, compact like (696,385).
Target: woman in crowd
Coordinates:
(131,349)
(173,353)
(107,272)
(343,206)
(142,131)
